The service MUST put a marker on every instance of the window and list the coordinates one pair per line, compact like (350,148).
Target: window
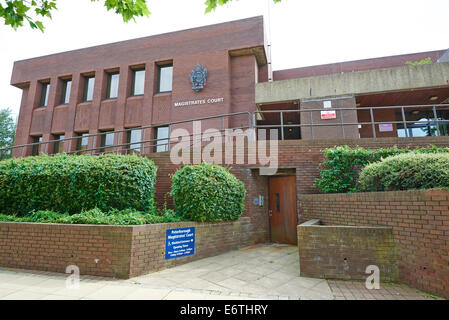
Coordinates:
(161,138)
(134,136)
(82,143)
(65,94)
(112,85)
(88,91)
(36,147)
(45,91)
(165,78)
(107,142)
(58,146)
(138,82)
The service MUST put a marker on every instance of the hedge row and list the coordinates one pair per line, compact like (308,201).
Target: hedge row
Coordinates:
(406,172)
(207,192)
(340,170)
(71,184)
(94,216)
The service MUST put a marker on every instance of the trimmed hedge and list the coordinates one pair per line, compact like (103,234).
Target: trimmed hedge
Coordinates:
(340,170)
(406,172)
(71,184)
(207,192)
(94,216)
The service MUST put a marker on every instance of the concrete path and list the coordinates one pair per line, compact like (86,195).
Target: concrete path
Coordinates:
(257,272)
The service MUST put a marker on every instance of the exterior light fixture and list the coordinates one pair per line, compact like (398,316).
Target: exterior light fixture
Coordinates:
(433,98)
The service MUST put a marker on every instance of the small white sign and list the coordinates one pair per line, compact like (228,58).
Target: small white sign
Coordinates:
(325,115)
(327,104)
(385,127)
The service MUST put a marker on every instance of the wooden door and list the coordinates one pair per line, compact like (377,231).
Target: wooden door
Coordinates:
(282,204)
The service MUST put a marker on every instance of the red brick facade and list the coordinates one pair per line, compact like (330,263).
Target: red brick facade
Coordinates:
(420,223)
(345,252)
(114,251)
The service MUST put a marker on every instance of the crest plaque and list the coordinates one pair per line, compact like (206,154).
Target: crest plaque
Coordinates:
(198,77)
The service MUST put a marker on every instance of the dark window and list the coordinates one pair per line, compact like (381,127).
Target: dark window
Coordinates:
(134,138)
(36,147)
(88,90)
(138,82)
(161,139)
(107,142)
(82,143)
(165,78)
(58,146)
(278,203)
(45,90)
(65,94)
(112,85)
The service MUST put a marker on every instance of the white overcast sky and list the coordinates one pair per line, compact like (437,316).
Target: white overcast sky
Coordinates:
(304,32)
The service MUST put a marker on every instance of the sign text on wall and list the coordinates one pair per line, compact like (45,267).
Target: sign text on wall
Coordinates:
(198,102)
(179,242)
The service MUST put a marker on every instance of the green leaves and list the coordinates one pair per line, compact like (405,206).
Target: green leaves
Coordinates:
(207,193)
(16,12)
(340,170)
(212,4)
(7,131)
(406,172)
(72,184)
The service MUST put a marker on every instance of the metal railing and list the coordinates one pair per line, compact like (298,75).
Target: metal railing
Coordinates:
(308,119)
(144,146)
(141,147)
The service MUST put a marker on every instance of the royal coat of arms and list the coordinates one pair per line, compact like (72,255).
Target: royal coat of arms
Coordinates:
(198,77)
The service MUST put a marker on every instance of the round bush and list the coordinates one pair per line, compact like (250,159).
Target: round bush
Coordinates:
(207,192)
(406,172)
(71,184)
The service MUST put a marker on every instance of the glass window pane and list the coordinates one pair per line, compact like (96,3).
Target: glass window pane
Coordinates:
(138,82)
(66,93)
(44,95)
(113,86)
(89,89)
(82,143)
(165,79)
(107,142)
(134,136)
(162,139)
(59,145)
(36,147)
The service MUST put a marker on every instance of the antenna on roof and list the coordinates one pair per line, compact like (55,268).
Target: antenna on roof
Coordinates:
(270,67)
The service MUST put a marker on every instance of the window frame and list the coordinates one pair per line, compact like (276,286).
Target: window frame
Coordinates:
(36,149)
(110,74)
(159,72)
(129,149)
(133,81)
(156,141)
(64,91)
(80,136)
(86,88)
(45,92)
(103,146)
(57,144)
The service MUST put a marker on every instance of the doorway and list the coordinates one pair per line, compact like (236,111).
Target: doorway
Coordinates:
(282,209)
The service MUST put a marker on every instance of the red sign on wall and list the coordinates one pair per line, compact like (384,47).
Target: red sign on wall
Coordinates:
(325,115)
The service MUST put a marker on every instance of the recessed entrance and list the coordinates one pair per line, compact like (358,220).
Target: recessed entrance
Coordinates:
(282,204)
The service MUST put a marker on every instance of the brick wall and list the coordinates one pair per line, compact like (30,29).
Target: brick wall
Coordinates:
(420,222)
(122,251)
(344,252)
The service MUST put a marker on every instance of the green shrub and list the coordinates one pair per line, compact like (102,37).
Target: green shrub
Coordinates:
(340,170)
(207,192)
(406,172)
(94,216)
(71,184)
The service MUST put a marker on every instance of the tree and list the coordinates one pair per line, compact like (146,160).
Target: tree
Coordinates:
(17,12)
(7,132)
(212,4)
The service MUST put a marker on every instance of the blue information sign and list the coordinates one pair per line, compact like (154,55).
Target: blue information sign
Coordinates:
(180,242)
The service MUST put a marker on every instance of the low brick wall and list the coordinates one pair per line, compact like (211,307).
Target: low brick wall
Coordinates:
(344,252)
(420,223)
(114,251)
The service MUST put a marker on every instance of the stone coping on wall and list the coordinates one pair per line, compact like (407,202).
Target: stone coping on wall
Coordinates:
(419,220)
(114,251)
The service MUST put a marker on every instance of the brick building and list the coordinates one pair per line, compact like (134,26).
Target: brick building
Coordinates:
(130,96)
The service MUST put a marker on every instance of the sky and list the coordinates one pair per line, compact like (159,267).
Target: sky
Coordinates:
(303,33)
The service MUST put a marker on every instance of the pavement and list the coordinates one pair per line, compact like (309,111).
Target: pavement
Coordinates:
(269,272)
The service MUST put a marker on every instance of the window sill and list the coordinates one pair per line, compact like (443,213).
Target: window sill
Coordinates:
(162,94)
